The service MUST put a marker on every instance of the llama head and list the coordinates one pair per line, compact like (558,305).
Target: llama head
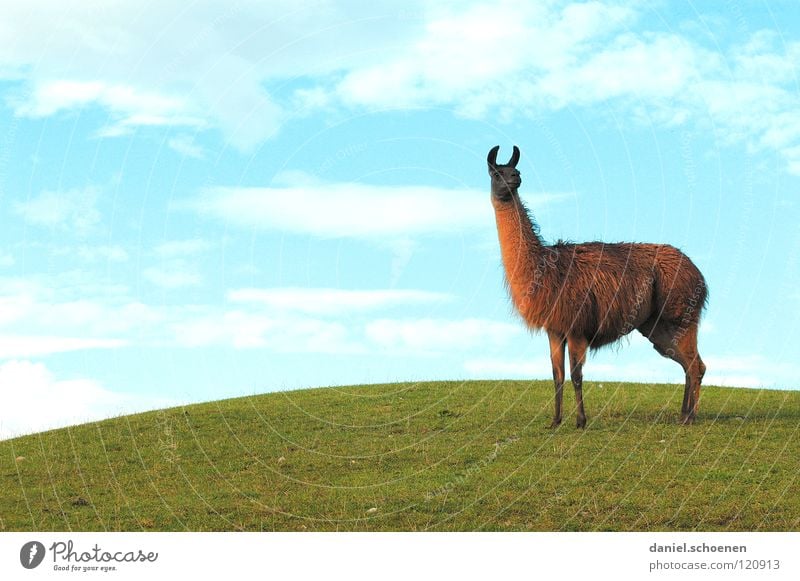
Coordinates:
(505,177)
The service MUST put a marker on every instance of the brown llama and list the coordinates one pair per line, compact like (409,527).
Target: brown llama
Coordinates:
(589,295)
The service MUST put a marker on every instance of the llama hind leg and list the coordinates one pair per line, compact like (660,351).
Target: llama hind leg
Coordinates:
(695,370)
(682,348)
(557,361)
(679,343)
(577,357)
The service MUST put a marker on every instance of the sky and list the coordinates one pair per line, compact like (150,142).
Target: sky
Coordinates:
(200,202)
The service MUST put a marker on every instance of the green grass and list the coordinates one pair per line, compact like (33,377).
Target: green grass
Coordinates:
(418,456)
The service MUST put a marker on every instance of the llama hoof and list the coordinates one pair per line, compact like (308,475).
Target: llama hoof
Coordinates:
(581,423)
(554,424)
(687,420)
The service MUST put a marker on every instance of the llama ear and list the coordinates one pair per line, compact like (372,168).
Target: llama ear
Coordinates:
(514,157)
(492,158)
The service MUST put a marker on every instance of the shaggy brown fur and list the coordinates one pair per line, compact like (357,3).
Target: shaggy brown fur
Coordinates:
(589,295)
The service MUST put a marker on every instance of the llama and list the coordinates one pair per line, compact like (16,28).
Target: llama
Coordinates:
(589,295)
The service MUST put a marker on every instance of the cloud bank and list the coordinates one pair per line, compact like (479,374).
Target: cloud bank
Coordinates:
(250,68)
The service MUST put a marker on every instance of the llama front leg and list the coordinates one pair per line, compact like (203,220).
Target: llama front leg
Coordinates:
(687,400)
(557,360)
(577,357)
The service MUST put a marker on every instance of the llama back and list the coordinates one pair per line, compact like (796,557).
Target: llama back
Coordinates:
(681,292)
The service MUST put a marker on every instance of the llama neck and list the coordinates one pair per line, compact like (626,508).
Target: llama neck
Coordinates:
(520,248)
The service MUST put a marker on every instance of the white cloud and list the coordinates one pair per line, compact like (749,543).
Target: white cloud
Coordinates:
(90,253)
(641,364)
(129,107)
(247,330)
(186,146)
(330,301)
(13,346)
(536,367)
(602,366)
(297,333)
(55,310)
(218,66)
(108,253)
(402,252)
(734,380)
(74,209)
(173,275)
(287,319)
(37,320)
(353,210)
(177,248)
(746,370)
(163,65)
(653,68)
(14,307)
(176,270)
(553,56)
(349,210)
(33,399)
(440,335)
(477,56)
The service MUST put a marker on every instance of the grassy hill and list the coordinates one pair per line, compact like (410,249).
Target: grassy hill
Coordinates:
(418,456)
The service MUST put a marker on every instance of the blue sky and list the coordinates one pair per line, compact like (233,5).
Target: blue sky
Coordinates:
(202,202)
